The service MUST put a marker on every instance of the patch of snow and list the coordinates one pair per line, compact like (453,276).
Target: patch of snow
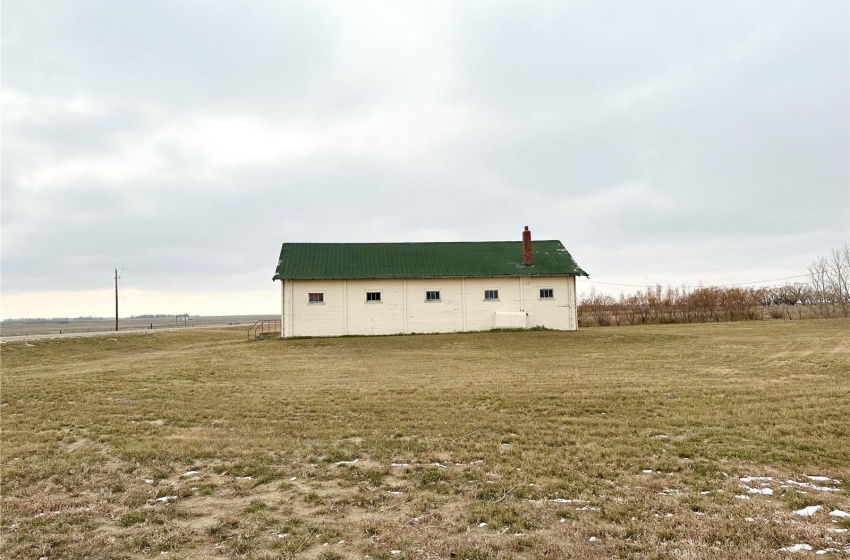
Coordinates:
(808,511)
(661,436)
(812,486)
(395,552)
(742,497)
(347,462)
(818,478)
(282,535)
(566,501)
(244,478)
(439,465)
(832,530)
(563,520)
(750,519)
(394,492)
(593,539)
(839,513)
(166,499)
(765,491)
(482,524)
(796,547)
(399,464)
(191,473)
(825,550)
(147,480)
(293,478)
(341,542)
(646,471)
(748,479)
(587,508)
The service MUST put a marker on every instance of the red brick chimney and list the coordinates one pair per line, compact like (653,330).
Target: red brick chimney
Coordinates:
(526,247)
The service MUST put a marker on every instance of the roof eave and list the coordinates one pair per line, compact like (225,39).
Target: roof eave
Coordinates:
(434,277)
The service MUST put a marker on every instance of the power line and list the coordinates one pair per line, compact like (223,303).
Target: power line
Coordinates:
(186,271)
(699,286)
(46,273)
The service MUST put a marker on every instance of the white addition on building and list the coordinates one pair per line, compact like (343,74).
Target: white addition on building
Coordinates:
(335,289)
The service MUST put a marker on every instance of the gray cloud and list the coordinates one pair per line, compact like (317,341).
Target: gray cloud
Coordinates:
(656,138)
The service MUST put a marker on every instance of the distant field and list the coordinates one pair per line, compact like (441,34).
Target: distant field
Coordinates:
(76,326)
(676,441)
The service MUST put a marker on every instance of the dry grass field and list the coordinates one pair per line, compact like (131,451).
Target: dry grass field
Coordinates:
(678,441)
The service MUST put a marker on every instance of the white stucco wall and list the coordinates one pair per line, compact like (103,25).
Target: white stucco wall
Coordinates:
(403,307)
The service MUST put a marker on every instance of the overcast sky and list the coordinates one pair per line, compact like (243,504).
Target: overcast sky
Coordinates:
(182,142)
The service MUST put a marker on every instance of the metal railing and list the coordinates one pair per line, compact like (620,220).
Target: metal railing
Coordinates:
(263,327)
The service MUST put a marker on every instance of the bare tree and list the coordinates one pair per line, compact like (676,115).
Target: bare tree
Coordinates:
(601,309)
(822,297)
(827,295)
(830,279)
(839,272)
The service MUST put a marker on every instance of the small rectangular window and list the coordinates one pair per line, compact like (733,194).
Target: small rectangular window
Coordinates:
(373,296)
(547,293)
(316,297)
(432,295)
(491,295)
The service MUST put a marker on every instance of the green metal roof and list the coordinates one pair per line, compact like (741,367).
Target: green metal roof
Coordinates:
(325,261)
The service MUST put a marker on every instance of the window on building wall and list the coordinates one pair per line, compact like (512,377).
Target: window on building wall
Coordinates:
(373,297)
(316,297)
(491,295)
(432,295)
(547,293)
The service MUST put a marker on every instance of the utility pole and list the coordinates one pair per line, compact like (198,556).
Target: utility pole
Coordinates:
(116,299)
